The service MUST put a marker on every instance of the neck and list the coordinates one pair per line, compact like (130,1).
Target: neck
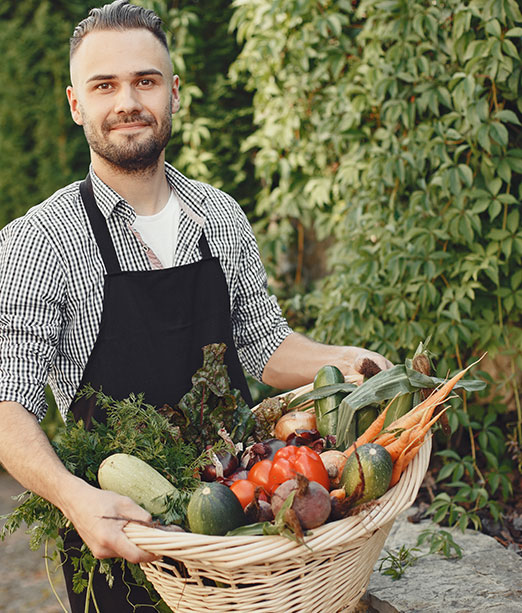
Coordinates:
(146,191)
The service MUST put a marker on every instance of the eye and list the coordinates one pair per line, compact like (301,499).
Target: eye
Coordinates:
(146,82)
(104,86)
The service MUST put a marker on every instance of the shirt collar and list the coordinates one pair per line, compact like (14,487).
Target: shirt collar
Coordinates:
(189,192)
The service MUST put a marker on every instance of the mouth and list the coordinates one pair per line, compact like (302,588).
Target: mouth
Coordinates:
(129,126)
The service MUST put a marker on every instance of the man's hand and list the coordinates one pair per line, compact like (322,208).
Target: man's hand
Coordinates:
(296,361)
(359,363)
(93,512)
(27,454)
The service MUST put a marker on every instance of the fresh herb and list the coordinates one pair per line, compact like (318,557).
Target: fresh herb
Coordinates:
(131,427)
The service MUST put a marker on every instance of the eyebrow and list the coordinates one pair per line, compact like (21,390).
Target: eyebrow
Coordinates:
(138,73)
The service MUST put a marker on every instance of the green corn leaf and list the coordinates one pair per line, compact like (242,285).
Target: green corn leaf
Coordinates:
(322,392)
(386,385)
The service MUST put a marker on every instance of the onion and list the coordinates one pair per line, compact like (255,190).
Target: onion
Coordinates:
(240,473)
(334,462)
(259,509)
(223,465)
(295,420)
(311,504)
(265,450)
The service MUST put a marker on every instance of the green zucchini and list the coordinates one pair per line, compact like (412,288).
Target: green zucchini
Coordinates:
(129,476)
(326,408)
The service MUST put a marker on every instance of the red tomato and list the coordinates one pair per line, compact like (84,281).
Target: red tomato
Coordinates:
(259,472)
(291,460)
(244,491)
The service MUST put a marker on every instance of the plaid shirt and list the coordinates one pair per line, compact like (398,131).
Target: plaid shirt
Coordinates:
(52,276)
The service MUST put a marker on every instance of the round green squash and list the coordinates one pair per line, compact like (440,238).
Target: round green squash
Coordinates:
(377,468)
(214,509)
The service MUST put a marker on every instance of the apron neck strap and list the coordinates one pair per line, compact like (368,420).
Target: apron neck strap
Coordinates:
(99,227)
(204,248)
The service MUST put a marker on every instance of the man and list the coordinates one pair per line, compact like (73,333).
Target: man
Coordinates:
(120,280)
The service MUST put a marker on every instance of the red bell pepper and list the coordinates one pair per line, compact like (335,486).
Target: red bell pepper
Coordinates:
(259,472)
(291,460)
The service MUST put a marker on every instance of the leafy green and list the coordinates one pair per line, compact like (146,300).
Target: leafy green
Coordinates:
(211,406)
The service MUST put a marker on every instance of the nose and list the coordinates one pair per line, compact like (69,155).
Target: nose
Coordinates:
(127,100)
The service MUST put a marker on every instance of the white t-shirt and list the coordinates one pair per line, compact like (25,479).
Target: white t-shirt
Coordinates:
(160,231)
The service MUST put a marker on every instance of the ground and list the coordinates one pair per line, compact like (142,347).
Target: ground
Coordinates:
(24,586)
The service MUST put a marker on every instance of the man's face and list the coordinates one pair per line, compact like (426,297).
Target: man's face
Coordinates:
(123,94)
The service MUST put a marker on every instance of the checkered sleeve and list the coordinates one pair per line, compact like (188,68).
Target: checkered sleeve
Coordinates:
(258,324)
(31,279)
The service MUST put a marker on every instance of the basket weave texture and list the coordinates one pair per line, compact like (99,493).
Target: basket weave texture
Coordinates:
(272,574)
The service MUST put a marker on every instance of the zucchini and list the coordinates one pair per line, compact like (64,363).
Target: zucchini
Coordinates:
(326,408)
(129,476)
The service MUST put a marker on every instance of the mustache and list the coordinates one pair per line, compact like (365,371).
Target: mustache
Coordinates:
(135,118)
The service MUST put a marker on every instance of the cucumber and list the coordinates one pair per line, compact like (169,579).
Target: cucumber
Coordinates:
(129,476)
(326,408)
(377,468)
(365,416)
(399,406)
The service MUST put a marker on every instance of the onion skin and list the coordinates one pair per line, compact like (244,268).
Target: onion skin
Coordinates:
(240,473)
(265,450)
(293,421)
(229,463)
(334,462)
(312,504)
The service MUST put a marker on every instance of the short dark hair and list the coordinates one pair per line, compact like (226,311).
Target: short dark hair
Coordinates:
(118,15)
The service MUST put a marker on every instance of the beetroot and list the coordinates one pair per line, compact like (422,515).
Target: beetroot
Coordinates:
(311,503)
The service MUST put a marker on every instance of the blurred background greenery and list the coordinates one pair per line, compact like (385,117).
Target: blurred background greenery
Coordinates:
(376,147)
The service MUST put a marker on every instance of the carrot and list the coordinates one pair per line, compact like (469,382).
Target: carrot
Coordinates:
(370,433)
(412,448)
(388,437)
(438,396)
(397,445)
(403,460)
(398,467)
(411,437)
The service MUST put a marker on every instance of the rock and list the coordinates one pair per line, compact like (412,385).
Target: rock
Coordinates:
(488,577)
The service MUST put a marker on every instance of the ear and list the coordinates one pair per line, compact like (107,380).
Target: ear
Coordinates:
(175,94)
(74,105)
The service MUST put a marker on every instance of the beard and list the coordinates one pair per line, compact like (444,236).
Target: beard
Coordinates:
(136,153)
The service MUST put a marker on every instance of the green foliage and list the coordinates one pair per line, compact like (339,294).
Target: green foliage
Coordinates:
(41,149)
(211,408)
(392,130)
(395,563)
(132,427)
(215,114)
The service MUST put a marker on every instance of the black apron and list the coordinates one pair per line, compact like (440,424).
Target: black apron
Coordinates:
(153,327)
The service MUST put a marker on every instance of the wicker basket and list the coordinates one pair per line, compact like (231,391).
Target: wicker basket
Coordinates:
(272,574)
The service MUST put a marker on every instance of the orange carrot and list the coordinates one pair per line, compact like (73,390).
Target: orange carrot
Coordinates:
(388,437)
(412,448)
(371,432)
(397,445)
(403,460)
(398,467)
(438,396)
